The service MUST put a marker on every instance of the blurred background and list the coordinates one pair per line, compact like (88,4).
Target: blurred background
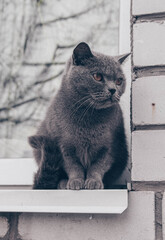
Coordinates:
(36,39)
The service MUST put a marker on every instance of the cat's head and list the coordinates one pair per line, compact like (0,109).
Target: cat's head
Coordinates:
(96,78)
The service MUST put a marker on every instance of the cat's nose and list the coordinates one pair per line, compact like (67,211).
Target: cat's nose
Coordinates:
(112,90)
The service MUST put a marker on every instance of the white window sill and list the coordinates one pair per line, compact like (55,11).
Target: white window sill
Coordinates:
(64,201)
(18,174)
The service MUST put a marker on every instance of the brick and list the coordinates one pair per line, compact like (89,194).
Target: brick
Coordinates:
(148,100)
(148,44)
(137,222)
(148,155)
(163,215)
(3,226)
(141,7)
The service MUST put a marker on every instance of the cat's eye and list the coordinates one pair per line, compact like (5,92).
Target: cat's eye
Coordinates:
(97,76)
(119,81)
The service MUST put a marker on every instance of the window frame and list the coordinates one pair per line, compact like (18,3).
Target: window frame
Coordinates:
(18,173)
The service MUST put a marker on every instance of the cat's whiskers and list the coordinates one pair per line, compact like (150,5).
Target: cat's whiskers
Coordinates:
(82,101)
(98,94)
(93,108)
(102,96)
(91,104)
(79,106)
(83,114)
(117,97)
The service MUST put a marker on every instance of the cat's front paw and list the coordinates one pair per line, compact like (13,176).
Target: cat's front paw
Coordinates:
(62,184)
(92,183)
(75,184)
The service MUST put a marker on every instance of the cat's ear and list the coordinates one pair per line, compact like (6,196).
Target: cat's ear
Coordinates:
(122,58)
(81,53)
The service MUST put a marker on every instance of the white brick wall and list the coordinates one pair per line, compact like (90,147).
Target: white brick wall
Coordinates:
(148,44)
(148,155)
(148,103)
(148,95)
(136,223)
(140,7)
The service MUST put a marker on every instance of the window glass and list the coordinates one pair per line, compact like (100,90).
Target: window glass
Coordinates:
(36,38)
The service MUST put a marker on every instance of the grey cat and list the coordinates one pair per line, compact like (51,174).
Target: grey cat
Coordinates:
(81,142)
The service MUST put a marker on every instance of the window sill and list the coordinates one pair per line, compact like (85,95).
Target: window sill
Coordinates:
(18,174)
(64,201)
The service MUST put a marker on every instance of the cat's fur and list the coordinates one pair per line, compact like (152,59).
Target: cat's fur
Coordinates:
(81,142)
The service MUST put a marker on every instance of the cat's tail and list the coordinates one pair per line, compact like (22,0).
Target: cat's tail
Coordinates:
(37,141)
(49,171)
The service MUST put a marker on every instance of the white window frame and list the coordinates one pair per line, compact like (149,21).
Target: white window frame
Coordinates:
(18,173)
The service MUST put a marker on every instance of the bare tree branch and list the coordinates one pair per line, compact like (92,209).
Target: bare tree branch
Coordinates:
(42,64)
(21,103)
(66,18)
(4,119)
(65,46)
(17,120)
(48,79)
(26,119)
(61,47)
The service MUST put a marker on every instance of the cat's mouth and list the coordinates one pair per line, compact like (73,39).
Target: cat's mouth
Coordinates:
(104,101)
(106,98)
